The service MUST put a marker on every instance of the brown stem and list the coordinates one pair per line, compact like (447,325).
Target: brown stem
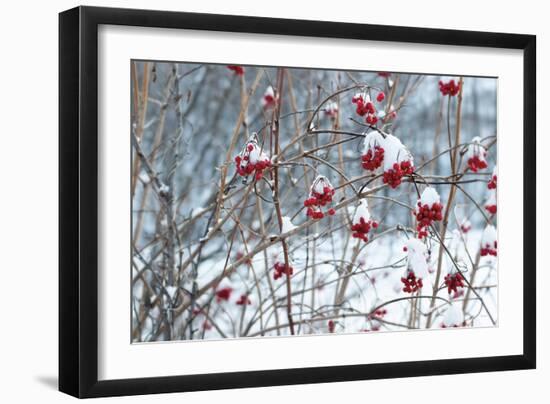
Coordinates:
(275,134)
(448,207)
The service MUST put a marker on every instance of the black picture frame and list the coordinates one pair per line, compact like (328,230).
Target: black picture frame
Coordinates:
(78,201)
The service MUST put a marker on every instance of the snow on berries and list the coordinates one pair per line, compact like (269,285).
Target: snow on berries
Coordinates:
(450,88)
(476,155)
(454,317)
(491,202)
(320,195)
(417,265)
(373,151)
(238,70)
(281,269)
(492,184)
(331,110)
(465,226)
(252,160)
(489,241)
(428,210)
(398,161)
(454,280)
(362,222)
(269,98)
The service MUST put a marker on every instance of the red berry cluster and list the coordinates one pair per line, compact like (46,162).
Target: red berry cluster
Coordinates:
(243,300)
(492,209)
(393,176)
(450,88)
(331,326)
(317,200)
(245,167)
(372,160)
(238,70)
(378,314)
(422,232)
(458,294)
(365,107)
(282,269)
(426,215)
(411,283)
(476,163)
(492,182)
(489,249)
(454,281)
(269,100)
(360,230)
(223,294)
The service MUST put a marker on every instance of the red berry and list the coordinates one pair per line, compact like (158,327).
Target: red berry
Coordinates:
(238,70)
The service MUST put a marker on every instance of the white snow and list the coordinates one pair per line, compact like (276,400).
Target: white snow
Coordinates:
(287,225)
(164,189)
(489,236)
(144,178)
(269,92)
(395,152)
(492,199)
(320,183)
(331,107)
(364,95)
(476,149)
(362,211)
(257,154)
(453,316)
(429,197)
(372,139)
(457,249)
(465,223)
(417,258)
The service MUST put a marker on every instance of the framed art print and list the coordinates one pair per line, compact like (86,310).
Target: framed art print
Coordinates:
(249,201)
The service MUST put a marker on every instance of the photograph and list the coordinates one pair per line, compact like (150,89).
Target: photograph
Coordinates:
(272,201)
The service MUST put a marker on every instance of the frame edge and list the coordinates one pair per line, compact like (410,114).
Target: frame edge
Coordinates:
(69,79)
